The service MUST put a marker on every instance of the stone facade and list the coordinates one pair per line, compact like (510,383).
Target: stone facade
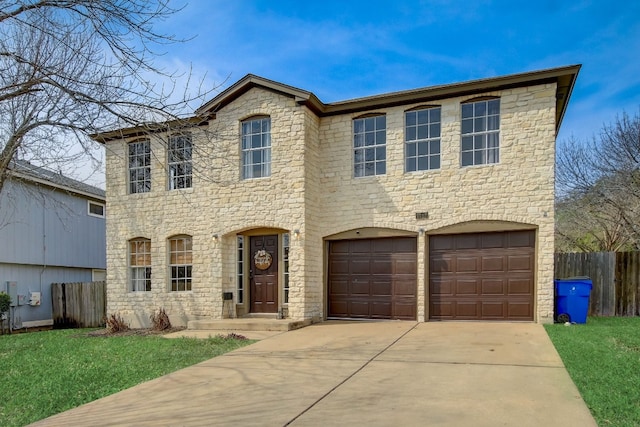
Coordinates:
(313,196)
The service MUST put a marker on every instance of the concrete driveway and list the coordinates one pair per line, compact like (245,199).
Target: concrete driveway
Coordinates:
(361,373)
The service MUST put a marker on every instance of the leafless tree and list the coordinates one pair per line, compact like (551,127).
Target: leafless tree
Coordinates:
(72,68)
(598,188)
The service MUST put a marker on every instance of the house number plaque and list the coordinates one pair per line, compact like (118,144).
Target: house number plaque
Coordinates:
(262,259)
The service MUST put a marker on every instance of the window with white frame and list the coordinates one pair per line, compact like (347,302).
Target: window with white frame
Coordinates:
(422,139)
(240,270)
(480,131)
(285,260)
(140,265)
(179,161)
(140,167)
(180,263)
(256,148)
(95,209)
(370,146)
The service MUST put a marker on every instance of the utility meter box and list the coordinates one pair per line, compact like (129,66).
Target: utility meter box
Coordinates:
(22,299)
(35,299)
(12,291)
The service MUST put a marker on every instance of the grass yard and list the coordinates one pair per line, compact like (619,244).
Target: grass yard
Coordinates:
(44,373)
(603,359)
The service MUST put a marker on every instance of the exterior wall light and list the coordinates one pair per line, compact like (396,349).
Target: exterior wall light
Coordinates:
(296,234)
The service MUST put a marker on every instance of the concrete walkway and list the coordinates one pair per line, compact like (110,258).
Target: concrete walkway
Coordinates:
(361,373)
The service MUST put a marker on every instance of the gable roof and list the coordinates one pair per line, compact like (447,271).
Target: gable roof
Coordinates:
(28,172)
(564,77)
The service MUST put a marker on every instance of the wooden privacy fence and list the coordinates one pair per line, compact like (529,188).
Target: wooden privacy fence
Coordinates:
(615,277)
(79,305)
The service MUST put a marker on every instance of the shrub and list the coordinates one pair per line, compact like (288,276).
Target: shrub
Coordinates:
(115,323)
(5,302)
(160,321)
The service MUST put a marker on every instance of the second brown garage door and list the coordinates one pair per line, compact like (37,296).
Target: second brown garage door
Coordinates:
(482,276)
(373,278)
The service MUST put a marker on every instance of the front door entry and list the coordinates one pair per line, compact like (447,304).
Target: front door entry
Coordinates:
(263,274)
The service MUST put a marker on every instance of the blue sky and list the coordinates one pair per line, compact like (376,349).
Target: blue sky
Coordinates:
(347,49)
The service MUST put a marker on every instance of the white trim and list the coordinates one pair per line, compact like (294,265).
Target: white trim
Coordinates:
(37,323)
(104,209)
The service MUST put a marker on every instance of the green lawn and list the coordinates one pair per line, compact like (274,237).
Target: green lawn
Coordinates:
(44,373)
(603,359)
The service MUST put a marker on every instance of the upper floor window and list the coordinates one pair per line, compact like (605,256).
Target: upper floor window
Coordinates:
(370,146)
(140,167)
(140,265)
(256,148)
(422,139)
(480,132)
(180,262)
(179,161)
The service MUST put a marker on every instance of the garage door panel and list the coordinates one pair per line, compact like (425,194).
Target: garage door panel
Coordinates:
(381,266)
(441,264)
(339,266)
(360,287)
(520,262)
(442,287)
(493,263)
(359,266)
(493,287)
(404,288)
(518,286)
(486,276)
(381,278)
(465,264)
(467,241)
(521,239)
(381,288)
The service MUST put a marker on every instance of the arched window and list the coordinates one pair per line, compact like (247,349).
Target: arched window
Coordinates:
(422,139)
(370,145)
(140,265)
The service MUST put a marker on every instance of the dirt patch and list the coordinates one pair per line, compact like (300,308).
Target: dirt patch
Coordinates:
(133,332)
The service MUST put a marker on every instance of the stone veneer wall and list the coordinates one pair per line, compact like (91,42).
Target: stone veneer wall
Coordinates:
(312,189)
(519,189)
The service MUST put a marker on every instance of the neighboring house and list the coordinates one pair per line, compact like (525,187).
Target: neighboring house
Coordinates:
(52,230)
(425,204)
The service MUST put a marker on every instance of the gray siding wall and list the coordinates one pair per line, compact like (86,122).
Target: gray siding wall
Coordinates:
(46,227)
(37,279)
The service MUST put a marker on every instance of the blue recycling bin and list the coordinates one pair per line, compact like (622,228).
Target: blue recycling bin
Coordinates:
(572,299)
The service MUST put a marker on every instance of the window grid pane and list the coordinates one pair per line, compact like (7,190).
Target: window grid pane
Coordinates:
(256,148)
(422,139)
(480,130)
(180,259)
(285,259)
(140,265)
(139,167)
(179,161)
(369,146)
(240,271)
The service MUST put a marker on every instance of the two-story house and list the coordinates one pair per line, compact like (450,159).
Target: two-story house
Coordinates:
(52,230)
(427,204)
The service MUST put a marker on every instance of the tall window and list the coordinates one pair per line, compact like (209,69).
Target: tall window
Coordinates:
(422,139)
(140,167)
(285,251)
(370,146)
(179,161)
(240,272)
(480,132)
(256,148)
(140,265)
(180,263)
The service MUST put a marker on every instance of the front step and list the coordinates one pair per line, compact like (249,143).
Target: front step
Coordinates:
(248,324)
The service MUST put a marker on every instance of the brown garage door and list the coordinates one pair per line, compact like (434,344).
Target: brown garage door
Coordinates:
(373,278)
(482,276)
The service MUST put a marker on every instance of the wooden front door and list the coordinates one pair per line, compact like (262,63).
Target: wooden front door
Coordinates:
(263,274)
